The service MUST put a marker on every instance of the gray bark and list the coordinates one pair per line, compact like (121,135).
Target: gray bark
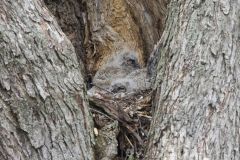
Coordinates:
(43,108)
(195,65)
(71,17)
(197,103)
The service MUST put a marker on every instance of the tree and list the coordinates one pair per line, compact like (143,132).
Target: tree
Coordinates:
(43,108)
(197,100)
(43,104)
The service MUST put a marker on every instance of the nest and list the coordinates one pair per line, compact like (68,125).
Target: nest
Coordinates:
(132,111)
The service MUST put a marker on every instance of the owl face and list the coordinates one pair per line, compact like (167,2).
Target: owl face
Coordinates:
(114,75)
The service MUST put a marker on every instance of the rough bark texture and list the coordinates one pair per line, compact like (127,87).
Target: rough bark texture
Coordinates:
(43,109)
(71,17)
(197,103)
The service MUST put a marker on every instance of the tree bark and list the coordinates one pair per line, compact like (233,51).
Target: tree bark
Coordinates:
(43,108)
(195,68)
(71,16)
(197,102)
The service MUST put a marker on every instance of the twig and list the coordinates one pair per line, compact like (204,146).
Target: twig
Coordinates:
(129,141)
(102,113)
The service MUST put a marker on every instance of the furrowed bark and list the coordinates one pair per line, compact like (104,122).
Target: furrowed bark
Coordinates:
(43,108)
(71,16)
(197,103)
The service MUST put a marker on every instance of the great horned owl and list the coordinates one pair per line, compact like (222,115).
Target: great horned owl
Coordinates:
(122,73)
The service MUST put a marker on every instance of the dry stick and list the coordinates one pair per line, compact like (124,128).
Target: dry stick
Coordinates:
(129,141)
(102,114)
(115,112)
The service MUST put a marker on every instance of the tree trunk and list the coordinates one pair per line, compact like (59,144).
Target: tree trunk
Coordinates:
(71,17)
(197,103)
(43,108)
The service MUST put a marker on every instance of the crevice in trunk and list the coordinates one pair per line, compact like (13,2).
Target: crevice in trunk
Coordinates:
(71,16)
(98,42)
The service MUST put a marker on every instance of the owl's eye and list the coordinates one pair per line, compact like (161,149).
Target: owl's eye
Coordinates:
(131,61)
